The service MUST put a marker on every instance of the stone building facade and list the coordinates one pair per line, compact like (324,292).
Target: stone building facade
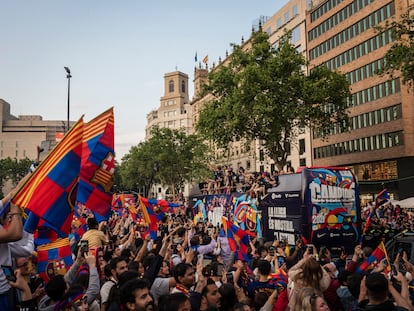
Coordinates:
(21,136)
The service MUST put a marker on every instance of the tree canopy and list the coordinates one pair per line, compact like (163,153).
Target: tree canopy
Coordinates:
(263,93)
(169,157)
(400,56)
(13,170)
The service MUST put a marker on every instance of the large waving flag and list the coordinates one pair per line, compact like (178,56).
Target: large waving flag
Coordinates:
(382,198)
(50,191)
(380,253)
(279,278)
(154,211)
(98,164)
(79,227)
(117,201)
(149,216)
(367,224)
(130,205)
(238,239)
(54,258)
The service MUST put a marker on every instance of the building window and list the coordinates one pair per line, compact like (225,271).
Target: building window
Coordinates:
(301,146)
(261,155)
(171,86)
(376,142)
(278,23)
(344,14)
(295,35)
(269,31)
(286,17)
(295,10)
(182,86)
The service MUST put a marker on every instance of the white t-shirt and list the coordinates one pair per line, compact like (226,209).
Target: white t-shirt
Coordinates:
(5,259)
(161,286)
(106,289)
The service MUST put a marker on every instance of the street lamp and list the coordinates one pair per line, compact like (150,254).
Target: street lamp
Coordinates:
(68,76)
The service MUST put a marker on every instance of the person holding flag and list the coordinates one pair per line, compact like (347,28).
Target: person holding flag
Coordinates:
(11,229)
(14,240)
(376,210)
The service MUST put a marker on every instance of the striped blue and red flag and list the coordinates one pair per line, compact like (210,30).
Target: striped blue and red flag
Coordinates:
(131,205)
(53,259)
(149,216)
(50,191)
(382,198)
(153,212)
(98,164)
(79,226)
(279,278)
(238,239)
(379,254)
(117,201)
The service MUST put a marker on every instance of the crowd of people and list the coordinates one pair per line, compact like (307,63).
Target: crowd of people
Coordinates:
(225,180)
(191,267)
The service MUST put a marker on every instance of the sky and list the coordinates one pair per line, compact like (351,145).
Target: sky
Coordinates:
(117,51)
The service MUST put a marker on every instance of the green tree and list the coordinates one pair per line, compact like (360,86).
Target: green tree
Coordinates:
(14,170)
(400,56)
(118,184)
(263,93)
(169,157)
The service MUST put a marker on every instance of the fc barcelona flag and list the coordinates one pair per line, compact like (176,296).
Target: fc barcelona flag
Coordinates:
(379,254)
(54,258)
(150,216)
(98,163)
(50,191)
(130,205)
(238,239)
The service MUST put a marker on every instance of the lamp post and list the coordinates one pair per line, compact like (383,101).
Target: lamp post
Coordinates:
(68,76)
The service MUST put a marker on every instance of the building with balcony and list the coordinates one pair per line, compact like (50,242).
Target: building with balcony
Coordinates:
(250,154)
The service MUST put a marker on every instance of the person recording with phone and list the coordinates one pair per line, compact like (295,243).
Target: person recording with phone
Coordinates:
(306,273)
(292,255)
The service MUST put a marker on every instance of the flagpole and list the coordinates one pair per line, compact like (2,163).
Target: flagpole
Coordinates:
(68,76)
